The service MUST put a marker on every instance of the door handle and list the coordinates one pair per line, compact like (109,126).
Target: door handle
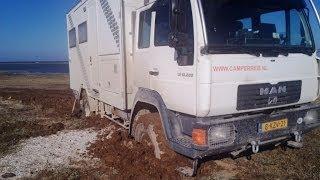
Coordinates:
(154,73)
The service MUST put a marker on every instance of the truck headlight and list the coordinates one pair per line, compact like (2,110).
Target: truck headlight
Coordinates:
(311,117)
(221,135)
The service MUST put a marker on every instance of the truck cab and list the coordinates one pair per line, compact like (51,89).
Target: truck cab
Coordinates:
(232,74)
(229,58)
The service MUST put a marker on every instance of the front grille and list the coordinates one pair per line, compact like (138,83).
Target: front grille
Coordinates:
(256,96)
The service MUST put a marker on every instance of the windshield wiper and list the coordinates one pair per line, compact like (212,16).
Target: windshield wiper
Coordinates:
(304,50)
(212,49)
(257,50)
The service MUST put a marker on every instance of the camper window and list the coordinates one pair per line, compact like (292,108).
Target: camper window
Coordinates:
(144,29)
(83,32)
(162,28)
(72,38)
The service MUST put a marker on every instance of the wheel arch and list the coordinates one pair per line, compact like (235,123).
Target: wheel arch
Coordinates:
(151,100)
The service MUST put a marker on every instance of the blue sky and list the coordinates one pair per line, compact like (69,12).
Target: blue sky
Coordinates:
(35,29)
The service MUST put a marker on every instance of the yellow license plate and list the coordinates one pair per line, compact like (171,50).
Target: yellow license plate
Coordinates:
(275,125)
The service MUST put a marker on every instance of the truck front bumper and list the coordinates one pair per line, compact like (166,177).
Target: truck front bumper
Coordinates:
(239,133)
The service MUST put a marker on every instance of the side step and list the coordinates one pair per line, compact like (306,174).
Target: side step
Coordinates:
(113,114)
(118,121)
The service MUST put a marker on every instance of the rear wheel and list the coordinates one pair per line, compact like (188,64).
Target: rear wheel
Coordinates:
(147,129)
(84,104)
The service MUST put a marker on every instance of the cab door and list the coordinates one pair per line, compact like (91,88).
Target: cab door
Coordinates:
(142,50)
(175,83)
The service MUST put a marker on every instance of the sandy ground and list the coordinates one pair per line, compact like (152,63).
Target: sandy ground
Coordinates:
(31,81)
(39,139)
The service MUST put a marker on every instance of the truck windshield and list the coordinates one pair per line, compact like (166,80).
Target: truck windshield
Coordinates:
(257,26)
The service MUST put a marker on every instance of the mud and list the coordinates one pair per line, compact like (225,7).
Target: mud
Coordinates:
(26,113)
(20,120)
(54,103)
(124,158)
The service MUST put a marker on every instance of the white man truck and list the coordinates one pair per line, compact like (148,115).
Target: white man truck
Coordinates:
(224,76)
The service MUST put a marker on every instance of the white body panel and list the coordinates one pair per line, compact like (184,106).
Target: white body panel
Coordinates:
(177,90)
(111,67)
(99,64)
(273,70)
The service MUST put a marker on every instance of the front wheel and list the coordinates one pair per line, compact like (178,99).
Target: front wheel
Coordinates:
(147,129)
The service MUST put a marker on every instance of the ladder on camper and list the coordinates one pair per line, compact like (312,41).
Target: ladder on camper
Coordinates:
(82,64)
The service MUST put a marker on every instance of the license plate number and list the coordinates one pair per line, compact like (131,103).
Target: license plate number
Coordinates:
(274,125)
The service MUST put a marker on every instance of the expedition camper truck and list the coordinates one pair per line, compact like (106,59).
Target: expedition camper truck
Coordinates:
(221,76)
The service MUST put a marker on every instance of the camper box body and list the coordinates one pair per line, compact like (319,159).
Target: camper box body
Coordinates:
(117,58)
(98,64)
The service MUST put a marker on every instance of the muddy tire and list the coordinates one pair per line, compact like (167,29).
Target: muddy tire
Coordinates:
(84,105)
(147,129)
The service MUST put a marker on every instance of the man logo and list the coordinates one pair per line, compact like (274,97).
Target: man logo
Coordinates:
(273,90)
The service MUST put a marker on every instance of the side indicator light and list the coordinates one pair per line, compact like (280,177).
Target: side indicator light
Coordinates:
(199,137)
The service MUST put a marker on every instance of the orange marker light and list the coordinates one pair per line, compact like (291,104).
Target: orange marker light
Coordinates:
(199,137)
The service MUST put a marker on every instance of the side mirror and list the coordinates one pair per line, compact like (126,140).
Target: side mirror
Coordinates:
(307,11)
(318,54)
(178,24)
(178,36)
